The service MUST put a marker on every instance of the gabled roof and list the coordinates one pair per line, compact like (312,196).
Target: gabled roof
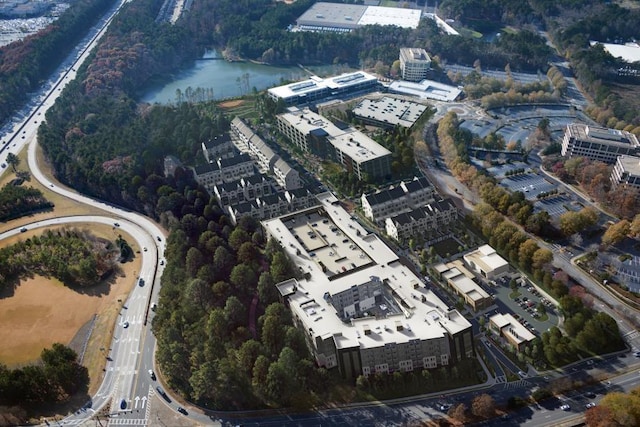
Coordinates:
(235,160)
(384,196)
(206,168)
(417,184)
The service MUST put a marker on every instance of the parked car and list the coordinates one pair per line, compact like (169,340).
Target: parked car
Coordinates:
(565,407)
(589,405)
(522,374)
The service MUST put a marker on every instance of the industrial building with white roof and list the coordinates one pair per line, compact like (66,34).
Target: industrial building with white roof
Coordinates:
(362,310)
(343,18)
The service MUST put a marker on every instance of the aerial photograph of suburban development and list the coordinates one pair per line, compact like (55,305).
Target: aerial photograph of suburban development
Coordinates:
(320,213)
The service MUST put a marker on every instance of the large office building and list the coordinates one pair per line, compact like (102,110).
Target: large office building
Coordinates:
(343,18)
(626,171)
(362,311)
(389,112)
(316,89)
(597,143)
(414,64)
(355,151)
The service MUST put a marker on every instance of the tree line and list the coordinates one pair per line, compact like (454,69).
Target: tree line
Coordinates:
(75,257)
(491,219)
(55,378)
(17,201)
(26,63)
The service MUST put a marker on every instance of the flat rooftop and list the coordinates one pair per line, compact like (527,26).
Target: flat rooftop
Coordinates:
(351,256)
(628,52)
(396,112)
(426,89)
(327,16)
(315,84)
(630,164)
(358,146)
(486,258)
(602,135)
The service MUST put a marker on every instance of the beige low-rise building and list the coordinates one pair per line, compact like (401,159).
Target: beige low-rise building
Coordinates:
(486,262)
(510,329)
(461,281)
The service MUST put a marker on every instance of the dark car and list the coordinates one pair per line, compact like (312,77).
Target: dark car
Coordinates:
(182,410)
(123,404)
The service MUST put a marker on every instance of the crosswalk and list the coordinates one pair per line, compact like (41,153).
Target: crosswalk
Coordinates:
(501,379)
(517,384)
(128,422)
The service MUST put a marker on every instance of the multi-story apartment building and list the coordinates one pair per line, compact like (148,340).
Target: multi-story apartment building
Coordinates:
(241,190)
(224,170)
(438,215)
(414,64)
(362,311)
(626,171)
(407,196)
(219,147)
(272,205)
(314,134)
(598,143)
(268,161)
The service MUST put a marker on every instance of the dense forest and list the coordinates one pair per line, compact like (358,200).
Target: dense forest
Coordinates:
(74,257)
(615,95)
(54,380)
(257,30)
(16,201)
(26,63)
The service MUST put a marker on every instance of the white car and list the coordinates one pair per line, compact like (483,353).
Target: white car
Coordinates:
(522,374)
(565,407)
(589,405)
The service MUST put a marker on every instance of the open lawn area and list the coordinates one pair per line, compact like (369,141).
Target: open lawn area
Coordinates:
(41,311)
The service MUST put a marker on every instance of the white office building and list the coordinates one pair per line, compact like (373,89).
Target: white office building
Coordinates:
(414,64)
(597,143)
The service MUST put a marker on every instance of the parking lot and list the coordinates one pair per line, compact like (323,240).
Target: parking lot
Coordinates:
(499,171)
(530,184)
(555,206)
(524,306)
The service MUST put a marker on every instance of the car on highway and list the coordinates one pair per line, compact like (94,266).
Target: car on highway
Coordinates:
(154,306)
(125,325)
(161,262)
(23,229)
(152,374)
(182,410)
(565,407)
(590,405)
